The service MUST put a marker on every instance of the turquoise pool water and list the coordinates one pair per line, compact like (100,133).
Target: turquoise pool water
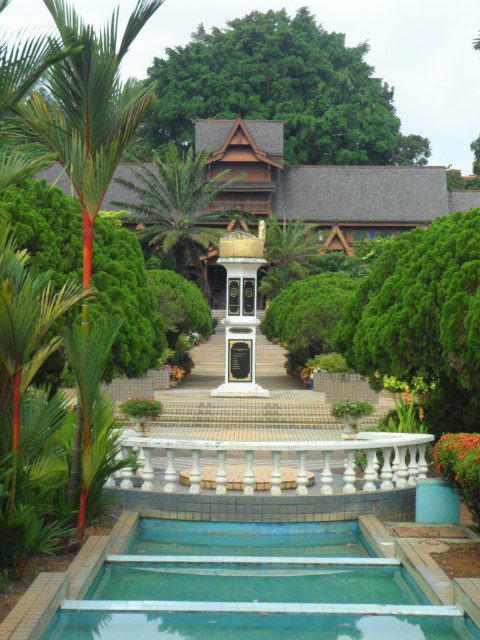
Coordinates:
(170,537)
(185,626)
(271,583)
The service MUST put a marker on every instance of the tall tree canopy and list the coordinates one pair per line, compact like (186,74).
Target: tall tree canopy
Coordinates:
(418,313)
(270,65)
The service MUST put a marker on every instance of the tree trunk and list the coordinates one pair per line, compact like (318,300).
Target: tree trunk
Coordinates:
(75,470)
(16,433)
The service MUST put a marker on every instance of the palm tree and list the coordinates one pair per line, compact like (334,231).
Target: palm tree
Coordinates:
(23,62)
(291,245)
(88,353)
(171,199)
(29,308)
(92,118)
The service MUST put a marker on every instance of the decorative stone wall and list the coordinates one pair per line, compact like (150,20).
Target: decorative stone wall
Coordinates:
(398,504)
(339,386)
(144,387)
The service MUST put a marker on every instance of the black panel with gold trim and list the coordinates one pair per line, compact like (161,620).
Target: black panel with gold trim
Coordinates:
(248,296)
(234,296)
(240,360)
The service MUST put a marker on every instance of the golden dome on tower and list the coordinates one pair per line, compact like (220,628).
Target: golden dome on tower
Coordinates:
(240,244)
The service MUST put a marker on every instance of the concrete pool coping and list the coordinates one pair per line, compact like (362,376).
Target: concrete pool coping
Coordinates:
(263,560)
(259,607)
(35,610)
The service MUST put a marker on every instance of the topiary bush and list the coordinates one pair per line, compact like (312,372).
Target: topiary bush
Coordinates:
(417,313)
(181,305)
(457,456)
(329,362)
(305,315)
(49,225)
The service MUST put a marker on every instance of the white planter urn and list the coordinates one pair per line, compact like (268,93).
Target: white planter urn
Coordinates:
(351,428)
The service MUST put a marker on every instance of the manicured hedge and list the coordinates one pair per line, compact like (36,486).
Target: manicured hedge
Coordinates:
(458,460)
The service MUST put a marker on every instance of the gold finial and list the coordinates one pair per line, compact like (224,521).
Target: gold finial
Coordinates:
(262,230)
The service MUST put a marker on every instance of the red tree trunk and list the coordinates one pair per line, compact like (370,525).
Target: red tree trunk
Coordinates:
(87,272)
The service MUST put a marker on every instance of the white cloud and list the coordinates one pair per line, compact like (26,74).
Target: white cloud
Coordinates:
(421,47)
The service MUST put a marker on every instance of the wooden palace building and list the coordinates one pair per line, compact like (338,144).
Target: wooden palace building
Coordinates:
(346,204)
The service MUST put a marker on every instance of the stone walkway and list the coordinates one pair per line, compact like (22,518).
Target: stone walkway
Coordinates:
(290,413)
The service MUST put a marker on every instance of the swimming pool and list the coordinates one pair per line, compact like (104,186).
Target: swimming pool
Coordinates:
(256,583)
(165,537)
(224,581)
(92,625)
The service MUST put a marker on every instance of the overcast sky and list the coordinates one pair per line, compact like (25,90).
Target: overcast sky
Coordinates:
(421,47)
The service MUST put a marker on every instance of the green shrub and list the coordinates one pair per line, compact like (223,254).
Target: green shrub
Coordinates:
(141,407)
(417,313)
(180,303)
(351,408)
(305,315)
(329,362)
(49,225)
(458,460)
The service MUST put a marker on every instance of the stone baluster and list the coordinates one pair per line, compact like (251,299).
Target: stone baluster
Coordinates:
(402,471)
(147,471)
(140,460)
(249,477)
(349,476)
(326,478)
(395,463)
(195,475)
(302,478)
(275,475)
(412,467)
(171,475)
(370,474)
(221,477)
(110,482)
(386,474)
(127,472)
(422,463)
(376,465)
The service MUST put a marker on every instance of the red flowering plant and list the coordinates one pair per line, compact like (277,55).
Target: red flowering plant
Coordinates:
(457,456)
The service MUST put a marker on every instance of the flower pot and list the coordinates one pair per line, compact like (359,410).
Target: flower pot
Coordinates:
(173,383)
(350,430)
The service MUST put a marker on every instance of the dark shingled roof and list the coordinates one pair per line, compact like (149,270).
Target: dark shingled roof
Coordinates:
(362,194)
(331,194)
(268,134)
(463,200)
(115,192)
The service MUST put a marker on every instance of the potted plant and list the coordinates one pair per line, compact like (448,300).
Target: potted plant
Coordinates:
(139,410)
(176,375)
(351,413)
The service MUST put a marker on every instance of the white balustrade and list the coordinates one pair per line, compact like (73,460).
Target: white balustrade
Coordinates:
(381,473)
(402,470)
(412,467)
(276,476)
(326,478)
(302,478)
(127,472)
(147,470)
(386,474)
(171,475)
(249,477)
(349,476)
(221,477)
(195,475)
(422,463)
(370,475)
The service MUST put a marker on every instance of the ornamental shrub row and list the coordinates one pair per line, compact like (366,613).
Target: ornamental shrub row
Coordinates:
(458,460)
